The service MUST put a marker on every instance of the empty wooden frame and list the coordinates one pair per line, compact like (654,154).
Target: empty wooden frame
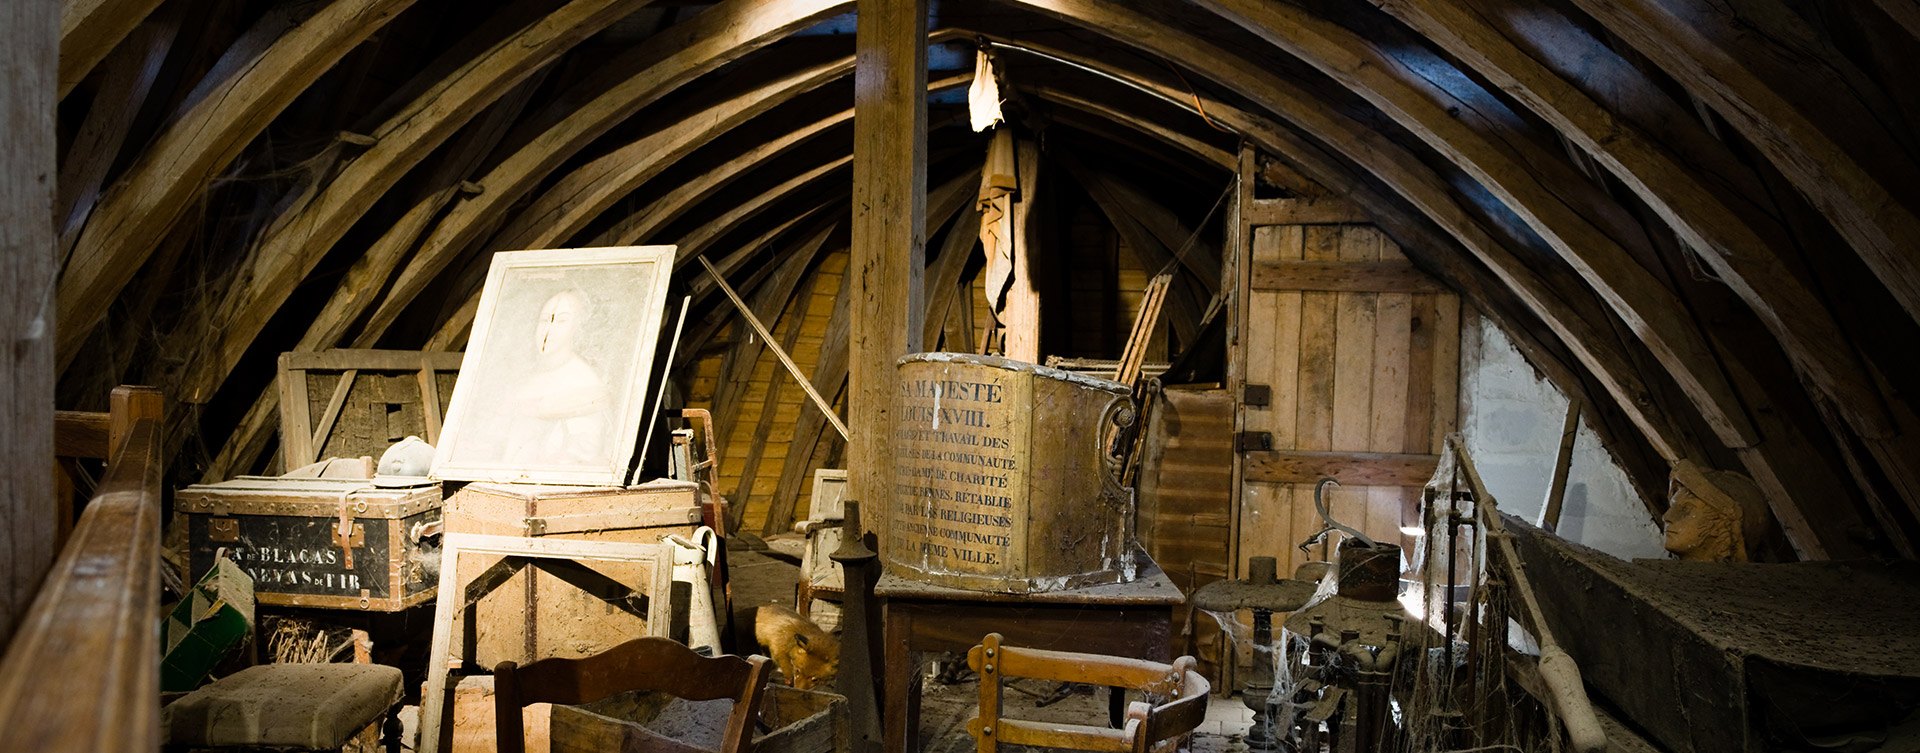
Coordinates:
(453,596)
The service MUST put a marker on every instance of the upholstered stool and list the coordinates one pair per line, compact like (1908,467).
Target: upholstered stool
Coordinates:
(287,707)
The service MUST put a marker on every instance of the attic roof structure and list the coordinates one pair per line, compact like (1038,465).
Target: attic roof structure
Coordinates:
(1698,218)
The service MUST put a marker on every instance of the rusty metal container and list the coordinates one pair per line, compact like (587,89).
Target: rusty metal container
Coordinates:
(1001,479)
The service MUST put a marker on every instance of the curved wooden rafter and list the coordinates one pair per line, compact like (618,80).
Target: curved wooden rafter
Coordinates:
(272,63)
(576,199)
(124,84)
(1453,122)
(361,284)
(1459,159)
(1189,145)
(448,335)
(625,233)
(90,30)
(1400,170)
(297,241)
(1768,89)
(679,54)
(1729,243)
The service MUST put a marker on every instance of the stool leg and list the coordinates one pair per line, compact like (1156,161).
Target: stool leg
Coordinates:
(390,730)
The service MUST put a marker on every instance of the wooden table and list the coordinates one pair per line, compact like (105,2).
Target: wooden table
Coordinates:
(1123,619)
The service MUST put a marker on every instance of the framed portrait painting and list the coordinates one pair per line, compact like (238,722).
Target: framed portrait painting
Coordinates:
(553,382)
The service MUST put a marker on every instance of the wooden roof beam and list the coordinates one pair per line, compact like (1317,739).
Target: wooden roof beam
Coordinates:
(1394,166)
(272,63)
(124,83)
(1727,242)
(887,298)
(1192,147)
(1780,93)
(663,63)
(363,280)
(90,30)
(1546,201)
(296,241)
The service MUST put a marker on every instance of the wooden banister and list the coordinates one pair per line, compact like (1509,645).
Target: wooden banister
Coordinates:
(83,670)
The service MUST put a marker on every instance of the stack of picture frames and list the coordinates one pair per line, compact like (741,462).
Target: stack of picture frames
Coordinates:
(356,403)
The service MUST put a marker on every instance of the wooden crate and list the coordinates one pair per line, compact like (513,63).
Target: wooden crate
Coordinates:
(556,609)
(283,532)
(354,403)
(1000,483)
(801,721)
(472,718)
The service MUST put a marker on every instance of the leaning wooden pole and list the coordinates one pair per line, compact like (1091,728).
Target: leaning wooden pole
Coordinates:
(889,234)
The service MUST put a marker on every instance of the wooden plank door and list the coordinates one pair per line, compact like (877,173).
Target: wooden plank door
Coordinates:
(1349,368)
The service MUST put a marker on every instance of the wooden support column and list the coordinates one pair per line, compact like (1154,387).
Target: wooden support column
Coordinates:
(889,234)
(28,61)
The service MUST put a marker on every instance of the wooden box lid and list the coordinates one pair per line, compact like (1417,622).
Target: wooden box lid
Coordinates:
(543,509)
(274,495)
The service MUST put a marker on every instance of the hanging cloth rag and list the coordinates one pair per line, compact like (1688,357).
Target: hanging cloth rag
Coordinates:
(998,185)
(983,95)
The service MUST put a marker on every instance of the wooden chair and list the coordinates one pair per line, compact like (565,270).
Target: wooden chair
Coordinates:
(652,663)
(1147,727)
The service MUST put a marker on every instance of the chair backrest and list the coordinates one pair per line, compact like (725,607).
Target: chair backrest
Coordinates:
(651,663)
(1147,727)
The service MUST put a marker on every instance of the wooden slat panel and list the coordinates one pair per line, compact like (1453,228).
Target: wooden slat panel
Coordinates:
(1355,325)
(1446,370)
(1387,433)
(1321,211)
(1343,276)
(1348,468)
(1186,481)
(1314,409)
(342,359)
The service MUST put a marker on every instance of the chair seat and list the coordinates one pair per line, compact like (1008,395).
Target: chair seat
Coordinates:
(305,706)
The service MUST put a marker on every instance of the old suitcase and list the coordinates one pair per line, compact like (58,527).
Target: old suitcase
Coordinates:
(547,609)
(286,533)
(1001,479)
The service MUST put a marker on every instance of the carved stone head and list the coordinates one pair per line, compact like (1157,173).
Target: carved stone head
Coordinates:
(1713,516)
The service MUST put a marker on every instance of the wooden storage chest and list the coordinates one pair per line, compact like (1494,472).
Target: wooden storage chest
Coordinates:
(555,609)
(285,533)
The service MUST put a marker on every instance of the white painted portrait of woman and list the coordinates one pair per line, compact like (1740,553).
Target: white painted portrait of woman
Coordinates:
(552,383)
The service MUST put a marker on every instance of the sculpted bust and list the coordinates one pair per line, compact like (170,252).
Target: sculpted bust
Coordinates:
(1713,516)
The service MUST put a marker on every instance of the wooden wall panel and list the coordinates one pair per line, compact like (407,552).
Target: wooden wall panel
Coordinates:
(738,445)
(1361,384)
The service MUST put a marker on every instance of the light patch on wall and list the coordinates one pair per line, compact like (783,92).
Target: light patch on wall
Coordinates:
(1511,419)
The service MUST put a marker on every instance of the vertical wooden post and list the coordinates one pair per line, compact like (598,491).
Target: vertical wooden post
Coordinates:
(889,235)
(1021,315)
(128,406)
(29,58)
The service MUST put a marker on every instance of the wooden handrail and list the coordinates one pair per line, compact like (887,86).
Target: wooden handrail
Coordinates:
(83,670)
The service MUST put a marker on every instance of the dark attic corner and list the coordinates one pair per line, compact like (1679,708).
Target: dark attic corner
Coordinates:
(846,376)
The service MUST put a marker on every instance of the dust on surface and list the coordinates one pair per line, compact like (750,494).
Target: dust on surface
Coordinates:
(1844,616)
(699,723)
